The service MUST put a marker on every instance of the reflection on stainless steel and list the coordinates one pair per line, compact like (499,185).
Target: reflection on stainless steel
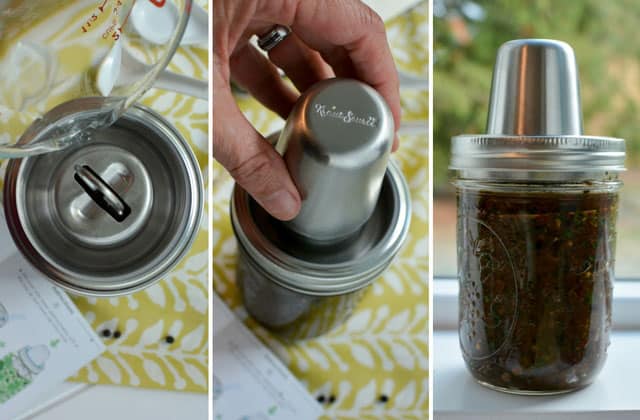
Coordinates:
(101,193)
(336,144)
(75,241)
(535,90)
(271,39)
(534,127)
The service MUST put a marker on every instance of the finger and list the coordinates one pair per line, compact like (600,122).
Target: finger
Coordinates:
(300,63)
(251,161)
(333,26)
(396,143)
(255,73)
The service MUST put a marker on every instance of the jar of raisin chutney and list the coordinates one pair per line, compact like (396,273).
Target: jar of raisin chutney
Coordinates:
(537,207)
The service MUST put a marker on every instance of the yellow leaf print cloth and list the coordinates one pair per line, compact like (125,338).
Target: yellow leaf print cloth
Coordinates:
(381,352)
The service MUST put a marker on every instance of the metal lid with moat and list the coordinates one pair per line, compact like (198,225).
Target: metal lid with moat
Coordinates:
(111,216)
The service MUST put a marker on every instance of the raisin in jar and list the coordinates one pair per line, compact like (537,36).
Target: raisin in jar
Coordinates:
(537,207)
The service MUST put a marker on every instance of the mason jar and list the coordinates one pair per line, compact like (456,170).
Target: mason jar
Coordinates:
(536,234)
(537,208)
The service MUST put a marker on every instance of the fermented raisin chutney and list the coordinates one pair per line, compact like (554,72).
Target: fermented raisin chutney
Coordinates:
(537,209)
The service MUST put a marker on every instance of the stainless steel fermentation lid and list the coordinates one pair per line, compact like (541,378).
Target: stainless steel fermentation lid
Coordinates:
(535,90)
(112,216)
(334,269)
(534,125)
(336,145)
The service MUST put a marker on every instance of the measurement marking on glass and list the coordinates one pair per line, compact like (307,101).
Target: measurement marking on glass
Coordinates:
(114,30)
(94,16)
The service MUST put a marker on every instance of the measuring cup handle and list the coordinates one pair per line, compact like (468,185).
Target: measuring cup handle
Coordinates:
(101,193)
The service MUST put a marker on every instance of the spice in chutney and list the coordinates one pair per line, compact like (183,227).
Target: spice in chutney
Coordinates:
(536,273)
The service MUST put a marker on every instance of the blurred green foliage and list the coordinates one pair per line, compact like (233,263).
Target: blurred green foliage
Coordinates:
(601,32)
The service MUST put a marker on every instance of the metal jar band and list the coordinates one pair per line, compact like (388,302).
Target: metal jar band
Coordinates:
(65,225)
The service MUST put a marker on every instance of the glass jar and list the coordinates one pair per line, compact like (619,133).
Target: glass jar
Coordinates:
(537,208)
(536,244)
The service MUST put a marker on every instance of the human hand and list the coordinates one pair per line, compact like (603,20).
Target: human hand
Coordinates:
(343,38)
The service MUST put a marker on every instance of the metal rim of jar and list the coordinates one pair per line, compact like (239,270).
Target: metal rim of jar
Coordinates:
(142,279)
(316,278)
(612,185)
(537,158)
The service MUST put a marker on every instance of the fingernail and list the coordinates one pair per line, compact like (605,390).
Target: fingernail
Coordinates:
(282,205)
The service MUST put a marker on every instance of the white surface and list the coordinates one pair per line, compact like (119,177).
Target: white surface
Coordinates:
(102,402)
(615,393)
(58,395)
(243,366)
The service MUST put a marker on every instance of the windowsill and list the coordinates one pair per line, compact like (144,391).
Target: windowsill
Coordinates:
(456,395)
(613,395)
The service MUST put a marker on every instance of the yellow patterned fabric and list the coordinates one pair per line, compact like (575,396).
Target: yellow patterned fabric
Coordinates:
(383,349)
(177,306)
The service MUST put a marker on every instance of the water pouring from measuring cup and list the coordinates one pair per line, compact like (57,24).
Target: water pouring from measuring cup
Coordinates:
(50,51)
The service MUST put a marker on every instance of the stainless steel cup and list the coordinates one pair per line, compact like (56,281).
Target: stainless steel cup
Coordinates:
(534,125)
(336,144)
(112,216)
(535,90)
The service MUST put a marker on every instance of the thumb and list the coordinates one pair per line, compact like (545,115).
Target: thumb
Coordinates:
(250,159)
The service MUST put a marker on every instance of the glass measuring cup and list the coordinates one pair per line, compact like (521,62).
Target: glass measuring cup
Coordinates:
(68,67)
